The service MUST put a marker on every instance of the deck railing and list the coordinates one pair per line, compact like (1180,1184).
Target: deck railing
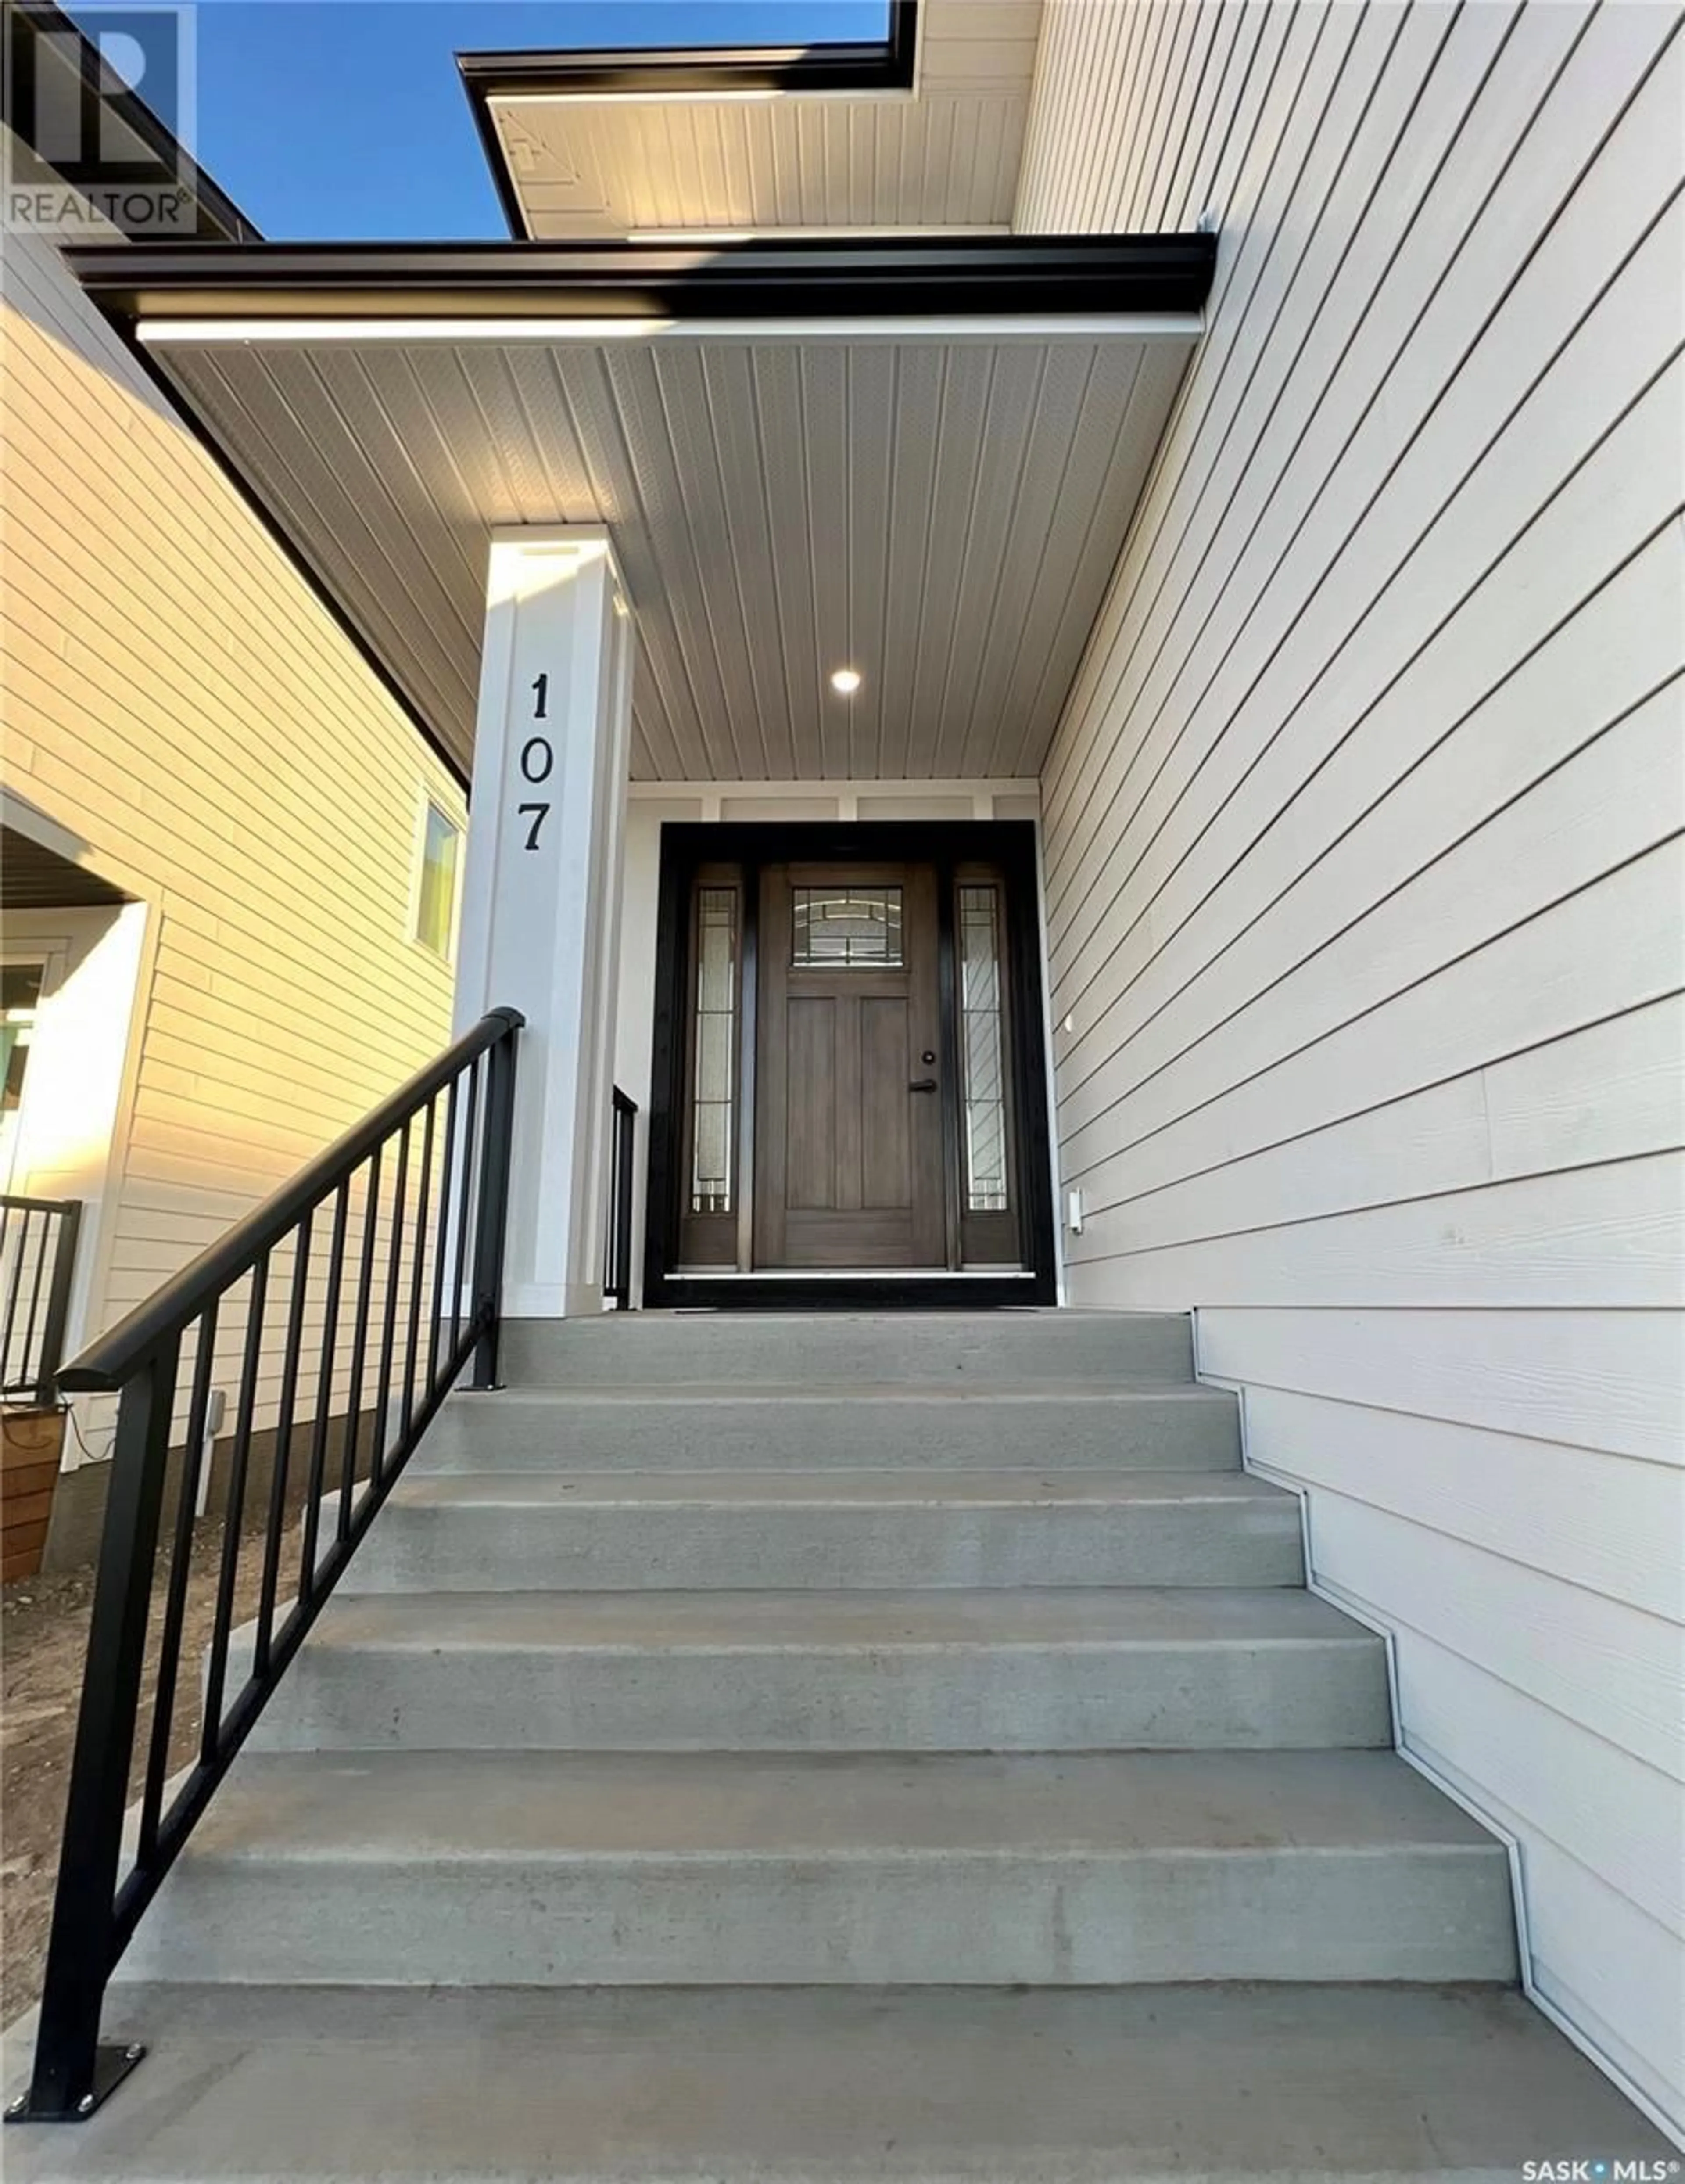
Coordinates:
(37,1260)
(617,1256)
(341,1314)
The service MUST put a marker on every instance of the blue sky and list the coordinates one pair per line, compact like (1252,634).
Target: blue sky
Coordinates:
(345,120)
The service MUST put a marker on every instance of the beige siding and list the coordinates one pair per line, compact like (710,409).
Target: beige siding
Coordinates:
(1364,875)
(175,696)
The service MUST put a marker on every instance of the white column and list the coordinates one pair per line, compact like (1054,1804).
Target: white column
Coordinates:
(541,889)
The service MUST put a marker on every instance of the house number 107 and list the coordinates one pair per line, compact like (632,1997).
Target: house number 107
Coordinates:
(537,758)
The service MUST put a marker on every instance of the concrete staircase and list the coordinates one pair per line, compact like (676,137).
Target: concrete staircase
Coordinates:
(945,1672)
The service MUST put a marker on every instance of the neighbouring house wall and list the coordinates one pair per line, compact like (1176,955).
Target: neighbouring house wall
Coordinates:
(68,1122)
(175,696)
(1364,876)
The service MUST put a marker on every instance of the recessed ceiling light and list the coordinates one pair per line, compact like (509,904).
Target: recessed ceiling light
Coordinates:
(846,680)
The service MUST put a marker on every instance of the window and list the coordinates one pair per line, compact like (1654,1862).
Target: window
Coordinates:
(713,1115)
(19,999)
(982,1051)
(836,929)
(20,985)
(436,894)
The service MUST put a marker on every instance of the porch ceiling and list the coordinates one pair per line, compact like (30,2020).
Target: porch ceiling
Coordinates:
(938,503)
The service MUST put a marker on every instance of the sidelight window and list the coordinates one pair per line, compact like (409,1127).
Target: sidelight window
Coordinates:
(713,1114)
(982,1041)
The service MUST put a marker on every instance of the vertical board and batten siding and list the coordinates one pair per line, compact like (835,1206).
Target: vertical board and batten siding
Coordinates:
(176,695)
(1364,875)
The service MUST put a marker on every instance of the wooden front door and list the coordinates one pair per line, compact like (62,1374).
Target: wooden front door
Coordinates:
(848,1128)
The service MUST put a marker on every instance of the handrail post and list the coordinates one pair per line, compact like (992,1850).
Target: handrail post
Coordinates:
(491,1214)
(628,1178)
(618,1249)
(59,1301)
(73,2074)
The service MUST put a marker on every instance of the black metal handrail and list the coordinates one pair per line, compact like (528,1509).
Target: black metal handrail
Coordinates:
(617,1255)
(37,1260)
(430,1239)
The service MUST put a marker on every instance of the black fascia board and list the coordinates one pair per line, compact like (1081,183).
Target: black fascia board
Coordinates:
(700,72)
(914,276)
(885,64)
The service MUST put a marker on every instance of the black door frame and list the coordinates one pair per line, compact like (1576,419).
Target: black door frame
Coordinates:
(1010,844)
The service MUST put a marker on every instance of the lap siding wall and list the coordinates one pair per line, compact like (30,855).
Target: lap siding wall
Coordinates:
(1363,871)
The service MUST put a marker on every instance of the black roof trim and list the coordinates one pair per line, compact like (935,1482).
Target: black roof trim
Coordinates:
(841,278)
(878,64)
(220,219)
(700,72)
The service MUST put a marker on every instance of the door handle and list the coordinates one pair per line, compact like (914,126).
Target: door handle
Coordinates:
(922,1084)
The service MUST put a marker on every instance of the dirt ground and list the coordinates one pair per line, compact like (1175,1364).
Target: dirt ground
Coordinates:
(43,1637)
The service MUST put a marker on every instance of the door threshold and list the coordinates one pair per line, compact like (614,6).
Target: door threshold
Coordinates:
(860,1274)
(839,1289)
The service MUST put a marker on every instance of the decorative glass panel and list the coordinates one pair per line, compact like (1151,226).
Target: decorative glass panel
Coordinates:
(836,927)
(982,1051)
(714,1105)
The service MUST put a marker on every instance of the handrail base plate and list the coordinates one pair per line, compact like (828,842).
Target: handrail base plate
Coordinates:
(112,2063)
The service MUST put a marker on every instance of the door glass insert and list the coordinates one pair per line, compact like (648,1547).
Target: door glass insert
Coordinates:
(713,1130)
(837,928)
(982,1051)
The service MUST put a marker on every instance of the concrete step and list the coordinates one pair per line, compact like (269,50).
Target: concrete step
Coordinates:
(531,1869)
(527,1531)
(1166,2084)
(1064,1669)
(643,1349)
(843,1424)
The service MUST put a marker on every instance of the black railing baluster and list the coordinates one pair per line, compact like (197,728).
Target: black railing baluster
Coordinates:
(469,1165)
(93,1917)
(13,1377)
(318,1433)
(359,1345)
(233,1515)
(418,1264)
(37,1281)
(175,1603)
(287,1410)
(52,1354)
(389,1309)
(441,1239)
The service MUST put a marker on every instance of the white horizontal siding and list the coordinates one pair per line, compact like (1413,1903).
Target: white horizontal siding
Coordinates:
(1610,1380)
(1364,877)
(176,697)
(1542,1503)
